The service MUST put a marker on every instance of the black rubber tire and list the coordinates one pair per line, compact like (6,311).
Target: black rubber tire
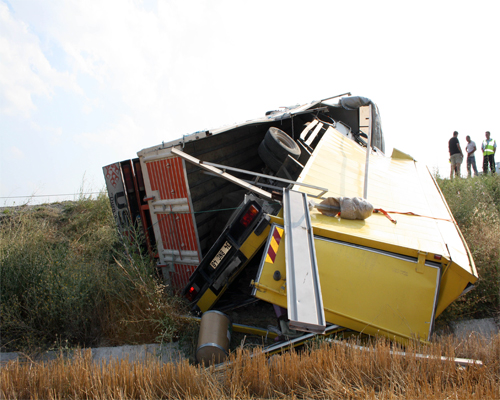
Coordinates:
(281,145)
(269,158)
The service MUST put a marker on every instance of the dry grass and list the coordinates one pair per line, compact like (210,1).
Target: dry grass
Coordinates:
(326,371)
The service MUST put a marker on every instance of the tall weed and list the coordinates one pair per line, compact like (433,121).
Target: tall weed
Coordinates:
(66,277)
(475,205)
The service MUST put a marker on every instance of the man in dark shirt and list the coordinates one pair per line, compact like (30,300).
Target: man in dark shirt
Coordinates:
(456,155)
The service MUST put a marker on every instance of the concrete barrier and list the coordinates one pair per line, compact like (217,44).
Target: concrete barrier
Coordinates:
(165,353)
(484,327)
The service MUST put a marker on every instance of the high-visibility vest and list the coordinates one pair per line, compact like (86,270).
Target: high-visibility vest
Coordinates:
(489,147)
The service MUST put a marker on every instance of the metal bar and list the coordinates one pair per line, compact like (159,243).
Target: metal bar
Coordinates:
(339,95)
(288,344)
(170,202)
(222,174)
(306,130)
(274,178)
(264,185)
(314,133)
(368,149)
(304,299)
(164,154)
(270,350)
(171,210)
(310,110)
(186,253)
(318,196)
(464,362)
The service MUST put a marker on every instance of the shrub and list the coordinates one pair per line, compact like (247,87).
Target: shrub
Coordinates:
(66,277)
(475,205)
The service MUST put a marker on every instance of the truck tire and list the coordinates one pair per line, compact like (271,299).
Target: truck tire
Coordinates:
(269,158)
(280,144)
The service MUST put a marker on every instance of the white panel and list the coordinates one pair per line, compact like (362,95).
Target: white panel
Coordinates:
(304,299)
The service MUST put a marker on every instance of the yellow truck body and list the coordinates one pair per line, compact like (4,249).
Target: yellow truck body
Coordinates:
(390,274)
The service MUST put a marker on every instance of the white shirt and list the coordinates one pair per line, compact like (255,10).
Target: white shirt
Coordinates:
(470,146)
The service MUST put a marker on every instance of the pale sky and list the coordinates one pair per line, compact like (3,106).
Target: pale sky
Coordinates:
(87,83)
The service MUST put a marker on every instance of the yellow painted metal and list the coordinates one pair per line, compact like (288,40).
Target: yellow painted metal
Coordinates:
(399,154)
(248,248)
(207,300)
(397,184)
(452,284)
(249,330)
(370,292)
(253,330)
(397,295)
(254,243)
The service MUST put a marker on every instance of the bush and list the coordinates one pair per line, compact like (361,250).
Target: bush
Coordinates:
(67,278)
(475,205)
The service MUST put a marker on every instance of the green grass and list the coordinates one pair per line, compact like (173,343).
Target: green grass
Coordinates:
(67,279)
(475,205)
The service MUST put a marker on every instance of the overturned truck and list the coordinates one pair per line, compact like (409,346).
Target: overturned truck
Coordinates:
(265,197)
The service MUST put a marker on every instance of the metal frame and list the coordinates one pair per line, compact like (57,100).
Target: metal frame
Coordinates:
(314,134)
(275,348)
(222,174)
(191,207)
(274,178)
(304,299)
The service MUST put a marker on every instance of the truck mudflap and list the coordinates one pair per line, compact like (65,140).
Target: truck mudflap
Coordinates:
(364,289)
(242,238)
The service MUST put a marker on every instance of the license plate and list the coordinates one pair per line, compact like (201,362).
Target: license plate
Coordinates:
(220,255)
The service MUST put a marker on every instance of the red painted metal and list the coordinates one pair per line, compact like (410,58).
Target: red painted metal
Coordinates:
(181,274)
(177,229)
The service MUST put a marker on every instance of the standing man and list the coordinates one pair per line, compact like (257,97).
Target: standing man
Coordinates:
(456,155)
(489,147)
(471,158)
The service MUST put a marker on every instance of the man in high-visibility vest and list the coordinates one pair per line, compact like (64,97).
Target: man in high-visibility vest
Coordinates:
(489,147)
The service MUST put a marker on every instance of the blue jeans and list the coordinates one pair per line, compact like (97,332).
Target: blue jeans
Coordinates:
(471,160)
